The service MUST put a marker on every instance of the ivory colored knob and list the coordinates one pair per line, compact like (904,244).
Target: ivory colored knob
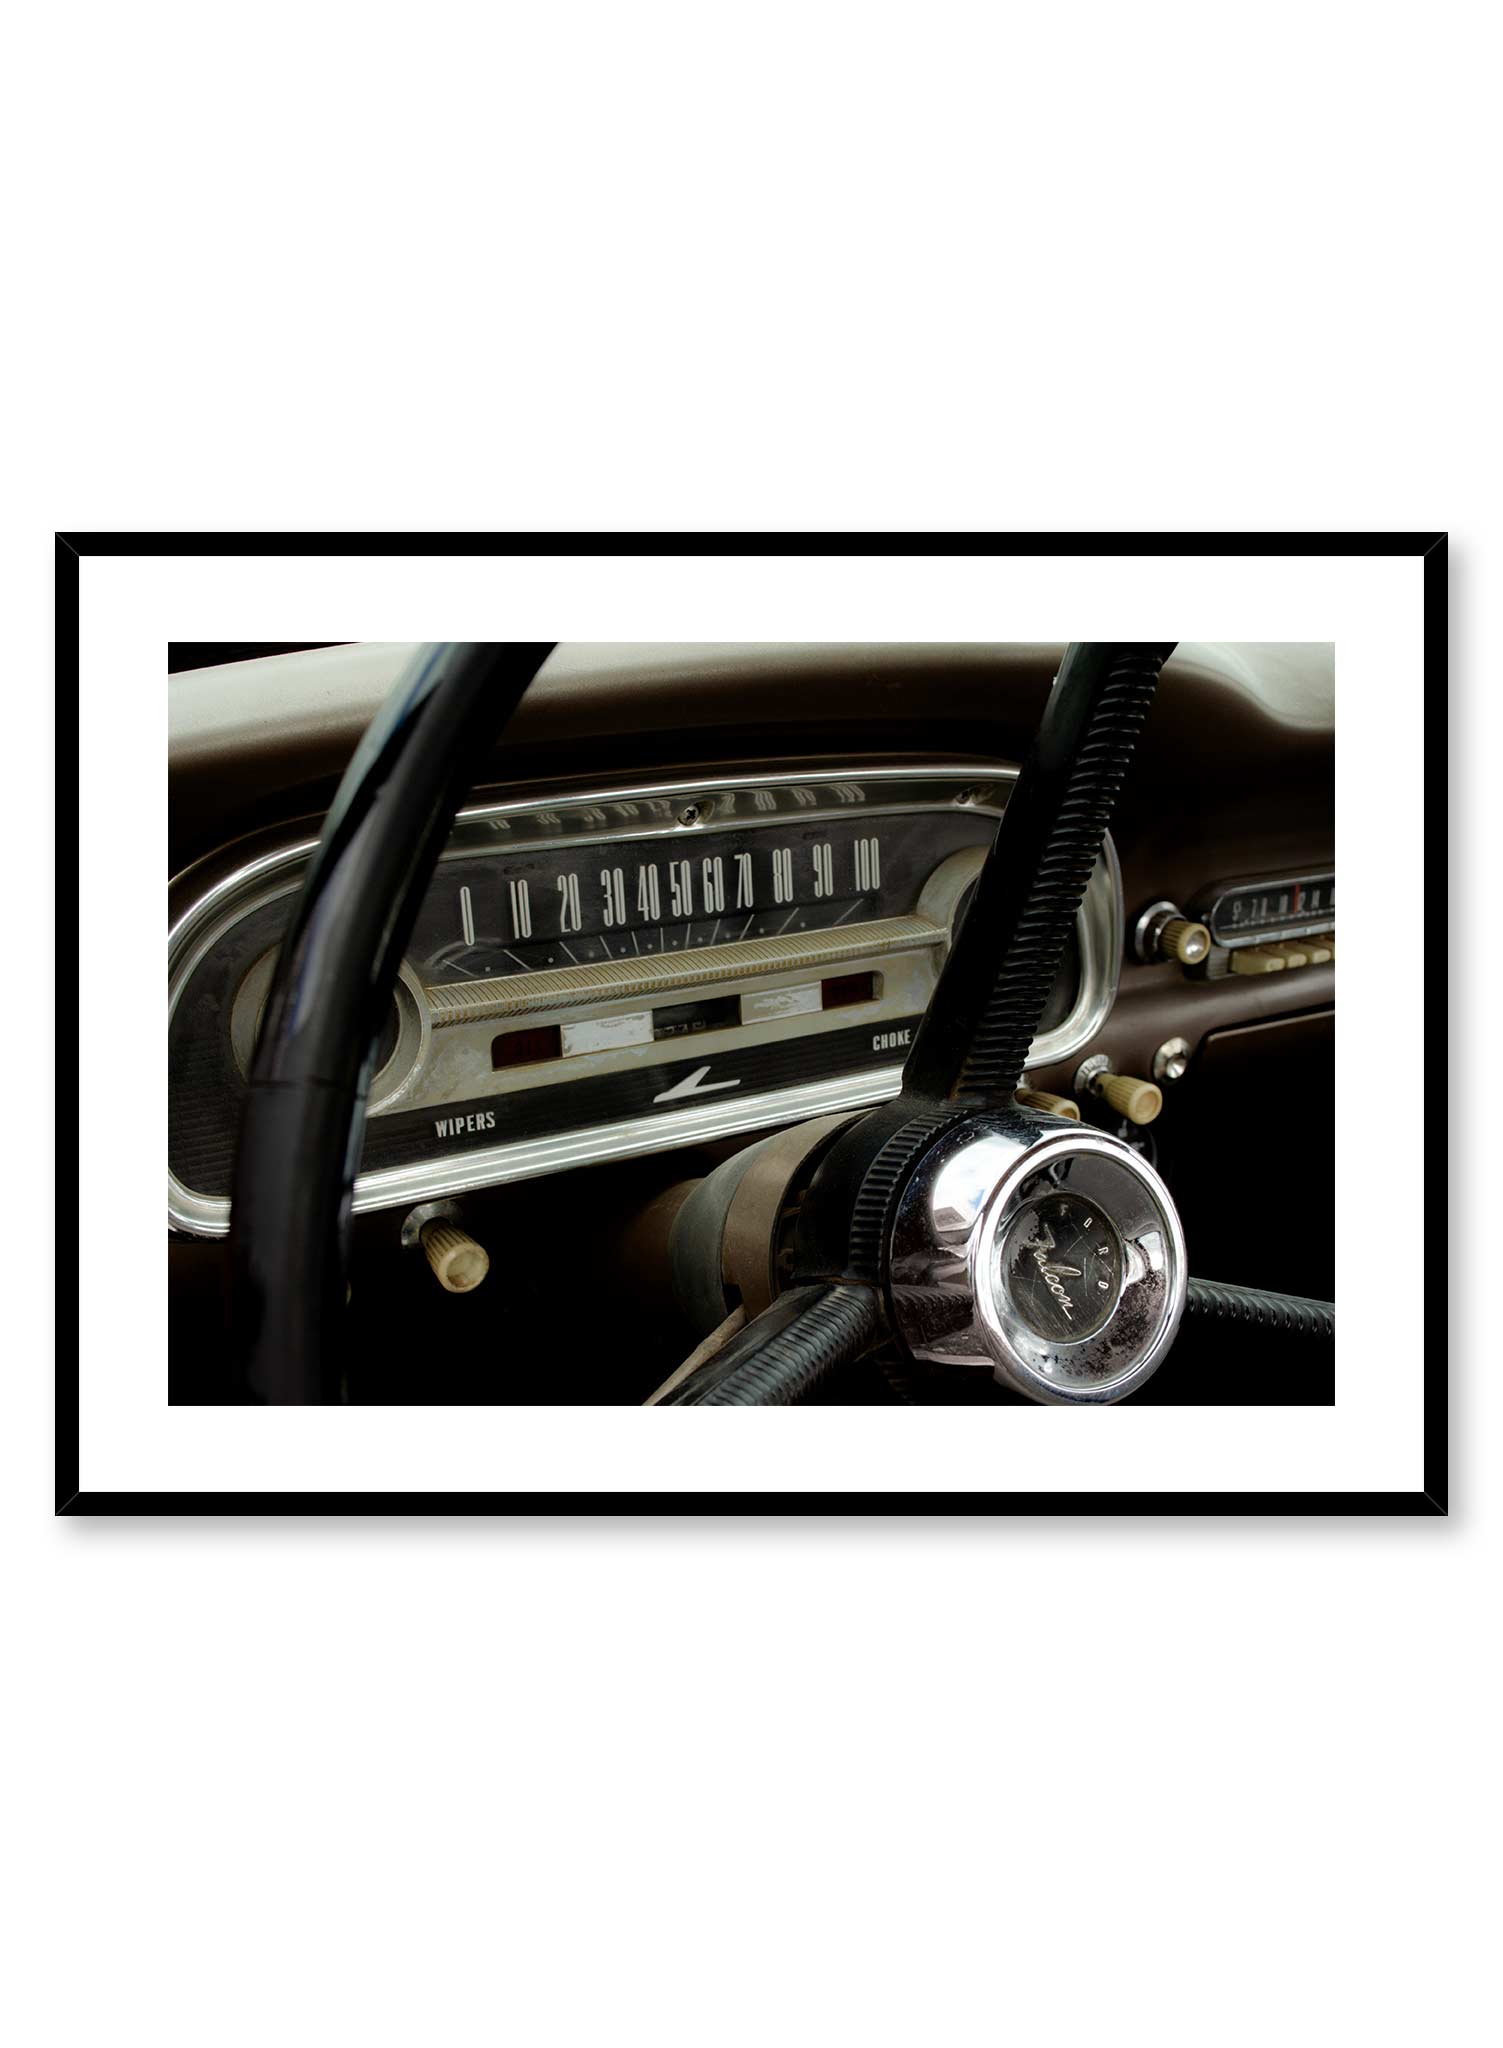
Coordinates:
(1139,1101)
(458,1262)
(1051,1105)
(1184,941)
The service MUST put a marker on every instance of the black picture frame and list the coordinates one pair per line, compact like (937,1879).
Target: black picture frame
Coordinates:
(72,547)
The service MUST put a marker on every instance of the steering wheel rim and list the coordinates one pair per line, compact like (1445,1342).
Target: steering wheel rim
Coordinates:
(303,1121)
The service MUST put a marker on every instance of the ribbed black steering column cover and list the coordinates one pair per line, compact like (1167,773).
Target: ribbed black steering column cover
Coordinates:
(974,1040)
(973,1043)
(304,1116)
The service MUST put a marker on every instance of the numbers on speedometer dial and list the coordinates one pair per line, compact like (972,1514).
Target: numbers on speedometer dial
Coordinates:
(517,911)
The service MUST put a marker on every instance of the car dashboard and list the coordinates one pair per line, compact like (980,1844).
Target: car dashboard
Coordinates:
(711,899)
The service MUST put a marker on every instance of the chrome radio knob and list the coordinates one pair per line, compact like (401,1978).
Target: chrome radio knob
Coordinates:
(1185,941)
(1163,932)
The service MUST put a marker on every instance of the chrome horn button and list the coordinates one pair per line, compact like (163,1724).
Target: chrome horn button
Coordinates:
(1049,1253)
(1060,1265)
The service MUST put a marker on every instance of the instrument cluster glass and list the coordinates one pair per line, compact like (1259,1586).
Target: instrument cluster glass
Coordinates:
(520,912)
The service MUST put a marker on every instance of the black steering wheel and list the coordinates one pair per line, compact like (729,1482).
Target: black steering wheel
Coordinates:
(967,1229)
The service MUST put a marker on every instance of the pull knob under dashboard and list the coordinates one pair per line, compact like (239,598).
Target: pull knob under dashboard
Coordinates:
(1139,1101)
(457,1261)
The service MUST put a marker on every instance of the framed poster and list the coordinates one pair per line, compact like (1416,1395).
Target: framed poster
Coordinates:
(884,980)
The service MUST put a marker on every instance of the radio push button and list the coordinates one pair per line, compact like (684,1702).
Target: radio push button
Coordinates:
(1258,960)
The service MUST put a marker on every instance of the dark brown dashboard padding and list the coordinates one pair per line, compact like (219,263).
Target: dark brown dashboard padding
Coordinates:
(1224,784)
(1158,1003)
(597,711)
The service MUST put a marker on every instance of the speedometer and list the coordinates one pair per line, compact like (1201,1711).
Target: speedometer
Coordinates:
(650,894)
(597,974)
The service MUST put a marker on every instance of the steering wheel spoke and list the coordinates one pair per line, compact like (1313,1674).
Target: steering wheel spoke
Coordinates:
(794,1347)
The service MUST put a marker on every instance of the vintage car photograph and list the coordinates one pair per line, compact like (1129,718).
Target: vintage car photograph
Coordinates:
(751,1024)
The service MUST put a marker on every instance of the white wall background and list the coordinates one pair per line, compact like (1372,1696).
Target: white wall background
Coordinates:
(662,267)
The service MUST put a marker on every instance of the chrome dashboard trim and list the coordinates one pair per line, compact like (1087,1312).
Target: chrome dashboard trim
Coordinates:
(234,893)
(209,1215)
(553,988)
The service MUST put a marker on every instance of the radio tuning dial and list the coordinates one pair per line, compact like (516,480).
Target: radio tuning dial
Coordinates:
(1184,941)
(1163,932)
